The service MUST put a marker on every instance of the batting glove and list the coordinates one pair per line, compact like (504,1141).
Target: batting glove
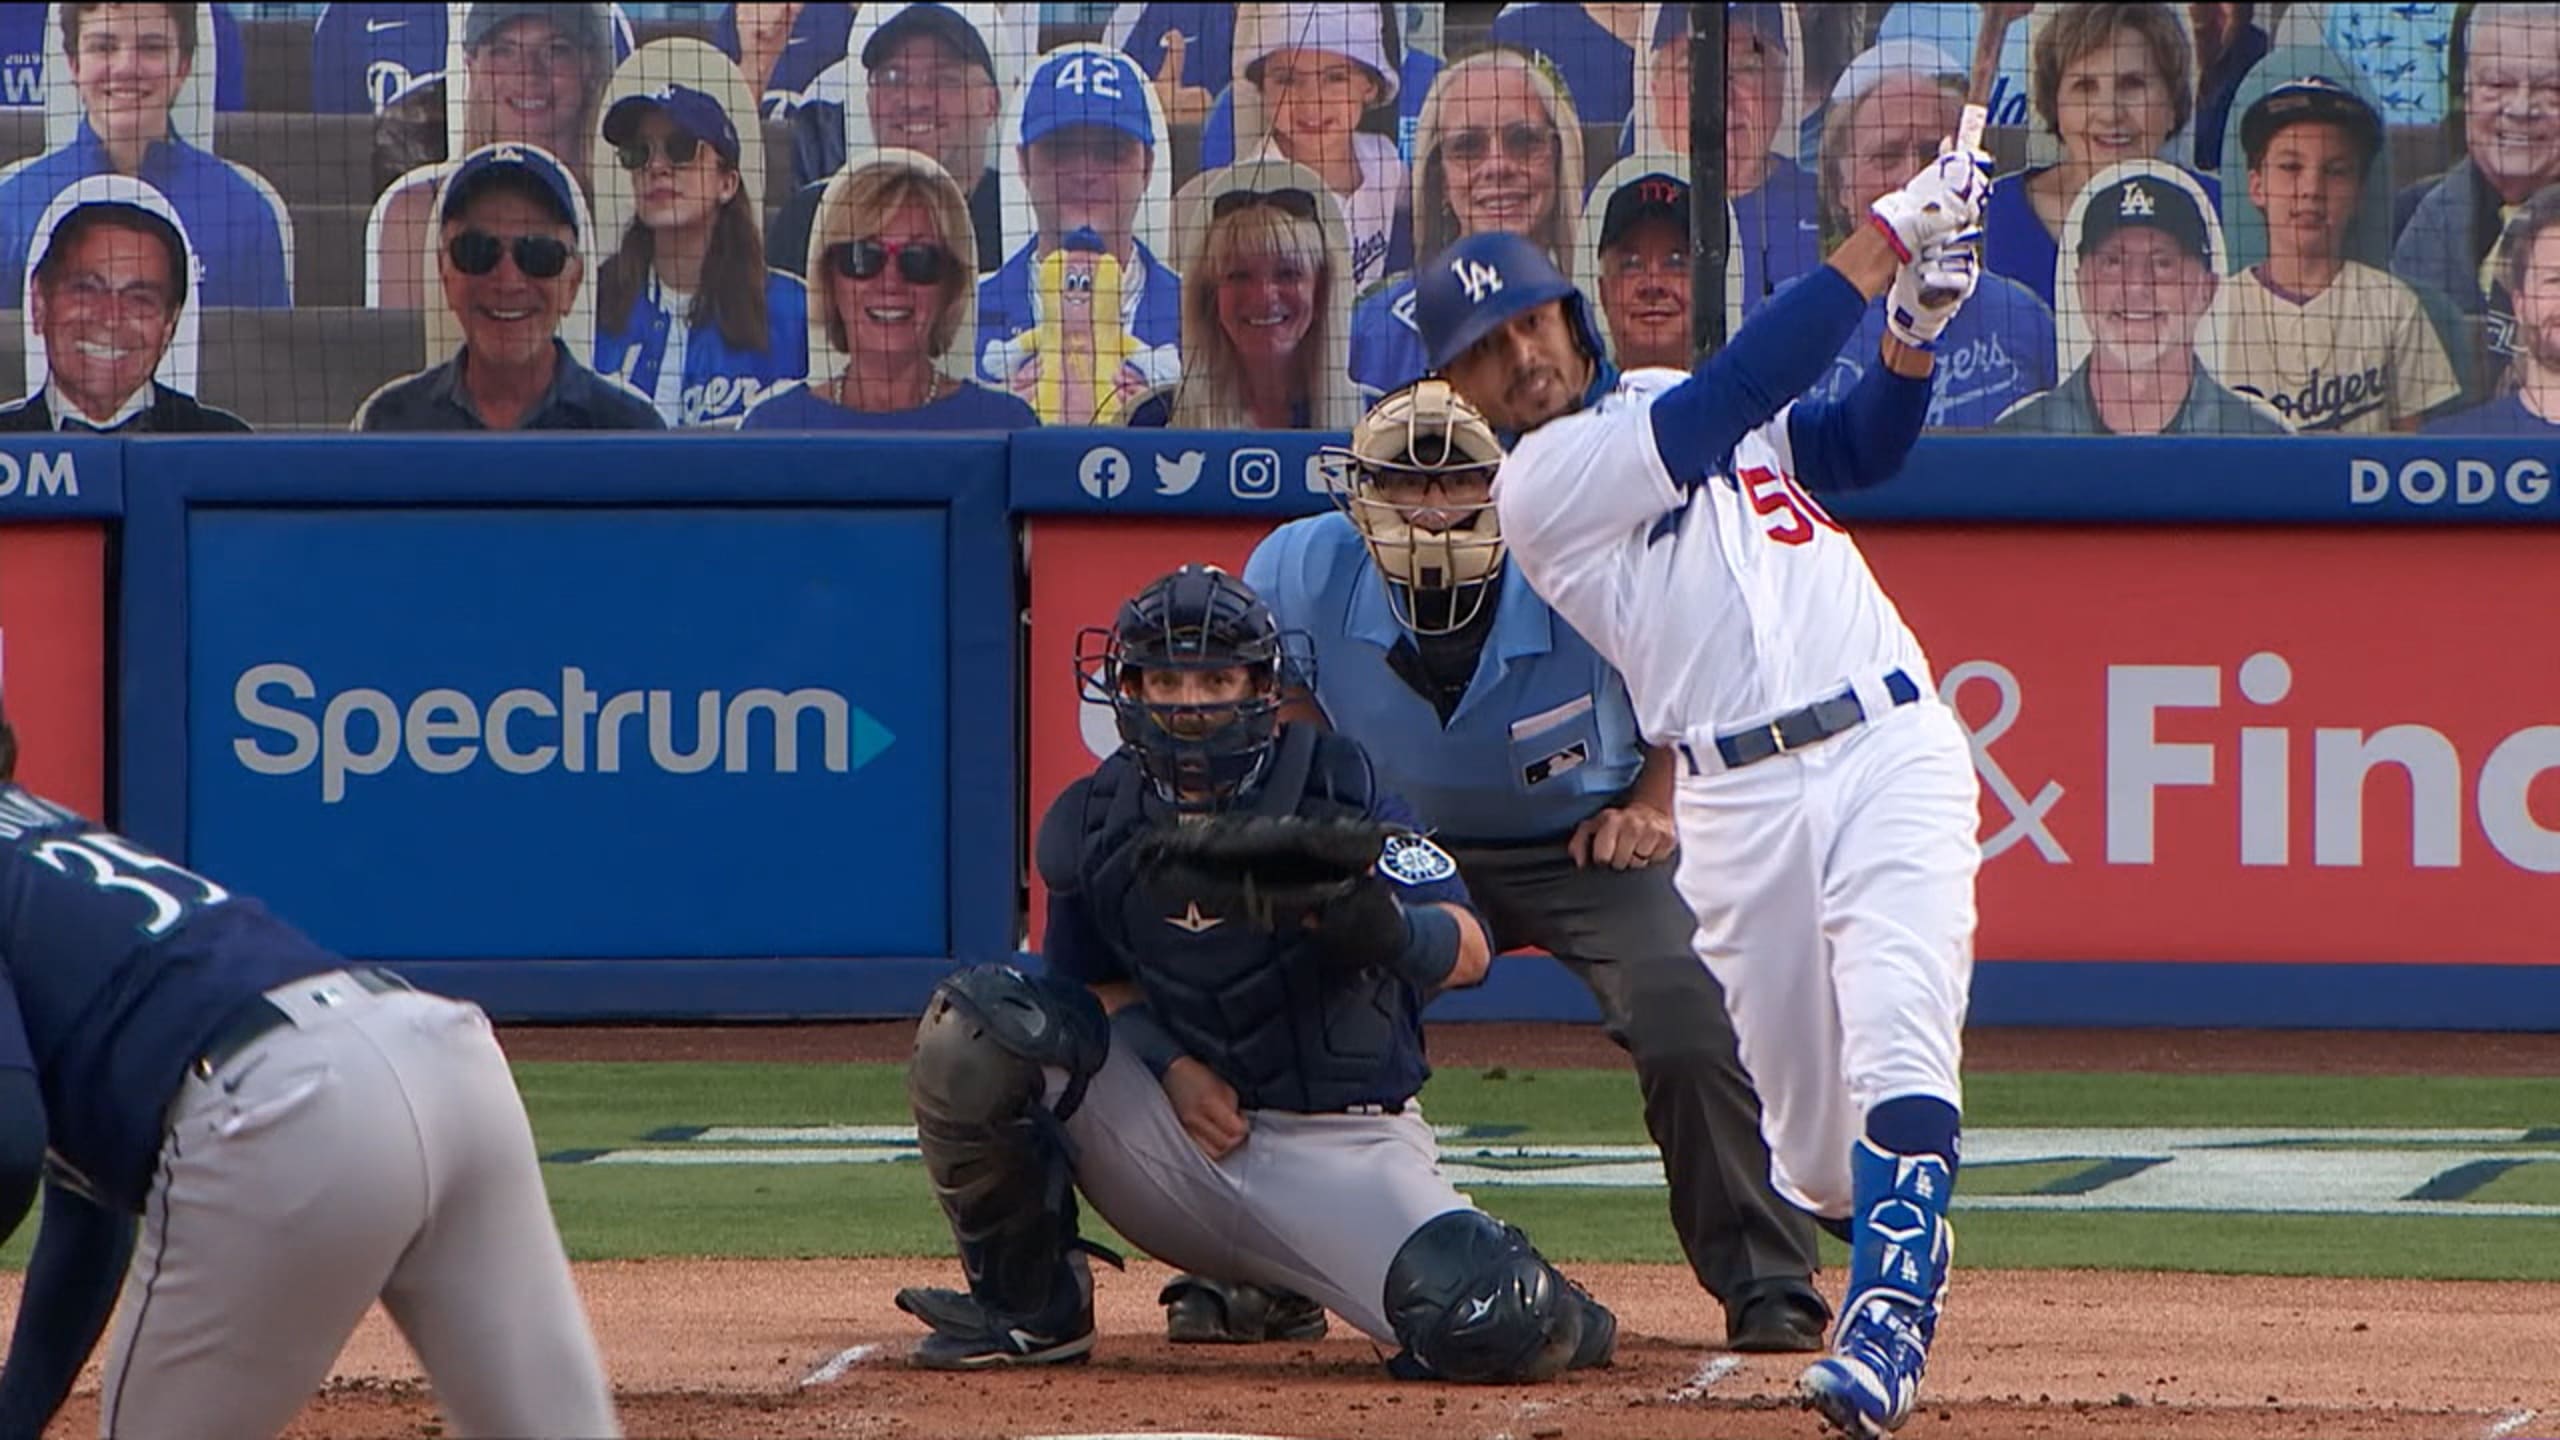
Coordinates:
(1941,202)
(1929,291)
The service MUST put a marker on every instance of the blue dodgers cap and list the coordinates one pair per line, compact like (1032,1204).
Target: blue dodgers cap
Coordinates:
(1481,282)
(692,111)
(2146,202)
(940,21)
(1088,87)
(511,161)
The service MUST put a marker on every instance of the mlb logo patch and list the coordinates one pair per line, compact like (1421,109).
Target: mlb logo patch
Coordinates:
(1413,860)
(1565,761)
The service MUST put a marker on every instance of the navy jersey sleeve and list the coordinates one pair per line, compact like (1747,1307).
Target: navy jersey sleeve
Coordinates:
(1862,438)
(1070,945)
(14,1052)
(1445,885)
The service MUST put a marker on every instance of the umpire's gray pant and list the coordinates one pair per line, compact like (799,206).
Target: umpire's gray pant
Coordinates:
(1626,934)
(375,1147)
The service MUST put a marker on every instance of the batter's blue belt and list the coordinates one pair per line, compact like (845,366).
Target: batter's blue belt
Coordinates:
(258,1015)
(1798,729)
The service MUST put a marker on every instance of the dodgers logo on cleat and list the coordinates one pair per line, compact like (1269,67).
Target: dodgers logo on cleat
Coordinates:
(1412,860)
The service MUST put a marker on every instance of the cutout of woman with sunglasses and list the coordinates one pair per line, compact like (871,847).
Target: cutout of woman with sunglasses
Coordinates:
(1500,149)
(1316,71)
(687,313)
(893,262)
(1266,308)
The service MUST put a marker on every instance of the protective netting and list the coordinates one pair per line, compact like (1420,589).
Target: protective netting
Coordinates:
(2215,218)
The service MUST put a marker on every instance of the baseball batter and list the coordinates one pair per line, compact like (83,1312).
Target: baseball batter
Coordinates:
(296,1137)
(1826,799)
(1237,1100)
(1517,745)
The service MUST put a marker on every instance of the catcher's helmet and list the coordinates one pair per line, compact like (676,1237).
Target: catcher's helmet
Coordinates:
(1442,556)
(1482,281)
(1199,756)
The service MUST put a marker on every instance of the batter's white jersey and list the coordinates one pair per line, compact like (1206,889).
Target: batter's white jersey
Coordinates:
(1724,606)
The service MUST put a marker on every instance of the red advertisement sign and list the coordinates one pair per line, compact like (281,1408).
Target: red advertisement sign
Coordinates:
(53,658)
(2250,744)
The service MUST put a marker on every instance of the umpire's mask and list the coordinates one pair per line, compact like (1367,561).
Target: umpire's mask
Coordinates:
(1417,482)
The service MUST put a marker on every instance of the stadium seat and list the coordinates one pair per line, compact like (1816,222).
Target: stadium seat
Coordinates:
(21,134)
(310,159)
(279,54)
(245,371)
(328,259)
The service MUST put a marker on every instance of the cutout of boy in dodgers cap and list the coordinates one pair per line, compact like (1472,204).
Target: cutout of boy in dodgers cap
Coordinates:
(2330,342)
(1088,156)
(1886,115)
(2145,279)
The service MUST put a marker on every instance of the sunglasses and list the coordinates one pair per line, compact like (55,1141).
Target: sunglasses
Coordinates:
(1288,202)
(920,262)
(679,148)
(1520,139)
(476,252)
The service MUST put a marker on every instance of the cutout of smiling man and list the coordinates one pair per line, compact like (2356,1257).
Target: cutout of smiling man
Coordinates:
(511,269)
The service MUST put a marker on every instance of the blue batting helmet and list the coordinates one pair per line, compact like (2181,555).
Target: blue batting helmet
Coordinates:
(1481,282)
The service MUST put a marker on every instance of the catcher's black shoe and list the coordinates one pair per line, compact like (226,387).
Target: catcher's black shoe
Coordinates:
(1202,1311)
(1780,1322)
(968,1336)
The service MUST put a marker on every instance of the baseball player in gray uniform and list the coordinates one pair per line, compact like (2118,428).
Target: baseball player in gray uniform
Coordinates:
(1232,1089)
(293,1137)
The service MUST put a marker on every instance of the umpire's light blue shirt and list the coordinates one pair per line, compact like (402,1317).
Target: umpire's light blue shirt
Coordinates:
(1544,738)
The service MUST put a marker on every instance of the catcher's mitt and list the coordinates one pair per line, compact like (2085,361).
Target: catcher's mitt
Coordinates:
(1274,871)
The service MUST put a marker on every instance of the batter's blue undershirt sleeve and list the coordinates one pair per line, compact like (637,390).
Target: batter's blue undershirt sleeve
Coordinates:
(1779,354)
(1862,438)
(72,1279)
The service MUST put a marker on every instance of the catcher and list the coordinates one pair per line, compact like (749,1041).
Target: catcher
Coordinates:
(1224,1051)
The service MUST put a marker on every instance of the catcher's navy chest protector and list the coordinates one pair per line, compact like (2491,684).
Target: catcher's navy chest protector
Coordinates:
(1263,1010)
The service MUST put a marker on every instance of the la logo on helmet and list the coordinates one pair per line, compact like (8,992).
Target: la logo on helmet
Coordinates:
(1479,278)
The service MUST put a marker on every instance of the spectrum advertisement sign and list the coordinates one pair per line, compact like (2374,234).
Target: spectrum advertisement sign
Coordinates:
(2274,744)
(570,733)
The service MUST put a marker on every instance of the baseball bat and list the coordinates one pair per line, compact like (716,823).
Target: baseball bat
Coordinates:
(1977,103)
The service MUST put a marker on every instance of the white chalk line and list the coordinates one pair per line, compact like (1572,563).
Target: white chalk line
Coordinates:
(1708,1374)
(2508,1424)
(844,1360)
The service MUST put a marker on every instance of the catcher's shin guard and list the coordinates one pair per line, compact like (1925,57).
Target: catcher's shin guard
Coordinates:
(1898,1262)
(1473,1301)
(1001,1166)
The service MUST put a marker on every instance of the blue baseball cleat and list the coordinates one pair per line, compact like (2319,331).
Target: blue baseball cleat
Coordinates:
(1868,1383)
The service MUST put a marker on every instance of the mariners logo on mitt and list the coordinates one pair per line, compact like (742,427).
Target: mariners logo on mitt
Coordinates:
(1413,860)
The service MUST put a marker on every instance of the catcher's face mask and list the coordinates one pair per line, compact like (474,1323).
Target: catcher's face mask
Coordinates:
(1193,673)
(1417,482)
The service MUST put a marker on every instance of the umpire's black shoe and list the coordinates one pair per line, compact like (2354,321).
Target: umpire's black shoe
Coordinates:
(968,1335)
(1202,1311)
(1780,1322)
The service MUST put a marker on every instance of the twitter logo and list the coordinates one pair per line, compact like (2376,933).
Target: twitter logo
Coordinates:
(1176,474)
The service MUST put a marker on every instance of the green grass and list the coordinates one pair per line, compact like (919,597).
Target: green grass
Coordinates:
(885,1209)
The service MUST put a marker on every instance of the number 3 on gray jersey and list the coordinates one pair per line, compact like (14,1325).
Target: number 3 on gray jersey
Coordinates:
(114,863)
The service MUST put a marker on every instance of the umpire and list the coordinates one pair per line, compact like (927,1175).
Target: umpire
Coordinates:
(1518,747)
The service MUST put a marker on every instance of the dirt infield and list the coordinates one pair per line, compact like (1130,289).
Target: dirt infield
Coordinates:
(721,1350)
(753,1350)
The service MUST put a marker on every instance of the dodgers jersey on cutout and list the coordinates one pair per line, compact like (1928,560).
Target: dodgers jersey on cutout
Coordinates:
(1725,605)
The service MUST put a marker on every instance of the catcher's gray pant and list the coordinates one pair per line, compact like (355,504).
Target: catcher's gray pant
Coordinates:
(1627,934)
(1318,1204)
(375,1146)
